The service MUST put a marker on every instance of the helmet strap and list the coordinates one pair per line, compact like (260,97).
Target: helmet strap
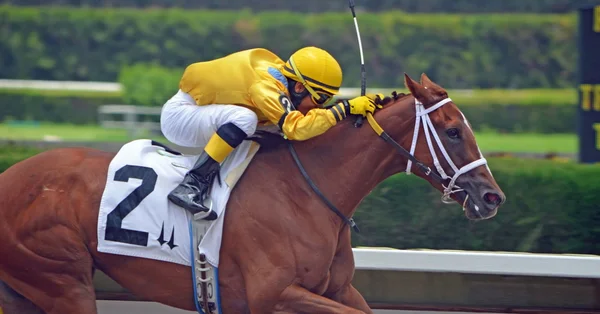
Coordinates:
(296,97)
(302,80)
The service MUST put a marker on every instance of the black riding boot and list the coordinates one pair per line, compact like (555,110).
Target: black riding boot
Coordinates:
(192,191)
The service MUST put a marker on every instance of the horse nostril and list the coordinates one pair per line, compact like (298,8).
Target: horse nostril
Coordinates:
(492,199)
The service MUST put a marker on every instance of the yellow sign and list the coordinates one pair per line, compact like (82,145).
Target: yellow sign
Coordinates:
(590,97)
(596,127)
(597,19)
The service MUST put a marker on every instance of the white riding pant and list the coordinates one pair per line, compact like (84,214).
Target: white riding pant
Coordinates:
(187,124)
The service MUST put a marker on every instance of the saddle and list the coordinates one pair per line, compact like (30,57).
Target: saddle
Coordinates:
(136,219)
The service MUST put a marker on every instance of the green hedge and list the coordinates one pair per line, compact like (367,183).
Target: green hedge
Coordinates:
(551,207)
(340,6)
(522,118)
(148,84)
(11,154)
(457,51)
(54,106)
(514,111)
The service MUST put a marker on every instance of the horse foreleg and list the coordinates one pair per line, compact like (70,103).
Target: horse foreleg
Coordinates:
(352,298)
(13,303)
(53,270)
(342,273)
(63,295)
(296,299)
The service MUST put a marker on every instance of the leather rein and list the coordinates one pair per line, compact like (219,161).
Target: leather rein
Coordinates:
(441,179)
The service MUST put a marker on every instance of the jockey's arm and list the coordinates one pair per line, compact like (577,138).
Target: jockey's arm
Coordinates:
(278,108)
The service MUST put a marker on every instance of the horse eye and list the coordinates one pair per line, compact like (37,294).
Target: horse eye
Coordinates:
(453,133)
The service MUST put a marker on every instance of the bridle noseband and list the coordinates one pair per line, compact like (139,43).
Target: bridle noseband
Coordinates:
(422,115)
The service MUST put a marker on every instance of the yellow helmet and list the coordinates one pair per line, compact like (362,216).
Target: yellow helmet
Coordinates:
(316,69)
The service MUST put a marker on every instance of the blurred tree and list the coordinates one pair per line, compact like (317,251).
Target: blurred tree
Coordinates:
(148,84)
(458,51)
(464,6)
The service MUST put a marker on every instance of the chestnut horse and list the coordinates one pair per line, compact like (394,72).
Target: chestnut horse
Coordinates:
(283,249)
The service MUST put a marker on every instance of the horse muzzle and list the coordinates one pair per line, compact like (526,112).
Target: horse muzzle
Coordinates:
(480,202)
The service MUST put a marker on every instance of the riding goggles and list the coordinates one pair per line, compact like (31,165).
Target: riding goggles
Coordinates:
(319,98)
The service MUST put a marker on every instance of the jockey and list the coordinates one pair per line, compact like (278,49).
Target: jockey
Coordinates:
(221,102)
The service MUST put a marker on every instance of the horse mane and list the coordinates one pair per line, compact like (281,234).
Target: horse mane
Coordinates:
(395,96)
(271,141)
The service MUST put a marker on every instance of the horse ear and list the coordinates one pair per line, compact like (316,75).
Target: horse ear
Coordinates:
(418,91)
(428,83)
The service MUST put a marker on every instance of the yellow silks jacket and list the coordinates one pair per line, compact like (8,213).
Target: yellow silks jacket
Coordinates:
(252,78)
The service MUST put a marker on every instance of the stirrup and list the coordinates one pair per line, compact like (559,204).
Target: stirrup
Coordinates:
(189,199)
(206,215)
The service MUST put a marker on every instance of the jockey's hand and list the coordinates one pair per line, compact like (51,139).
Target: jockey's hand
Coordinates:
(363,104)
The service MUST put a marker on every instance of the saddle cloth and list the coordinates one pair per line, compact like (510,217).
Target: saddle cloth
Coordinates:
(135,216)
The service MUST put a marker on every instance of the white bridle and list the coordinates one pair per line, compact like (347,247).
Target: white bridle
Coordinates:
(423,114)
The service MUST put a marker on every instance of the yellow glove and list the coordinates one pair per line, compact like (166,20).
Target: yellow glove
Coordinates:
(378,98)
(363,104)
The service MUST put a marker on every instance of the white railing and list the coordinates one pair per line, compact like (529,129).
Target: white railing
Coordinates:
(474,262)
(132,118)
(461,281)
(60,85)
(345,92)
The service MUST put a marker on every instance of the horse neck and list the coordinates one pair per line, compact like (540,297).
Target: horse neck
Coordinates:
(346,163)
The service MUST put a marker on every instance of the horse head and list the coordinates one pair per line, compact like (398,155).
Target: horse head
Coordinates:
(429,125)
